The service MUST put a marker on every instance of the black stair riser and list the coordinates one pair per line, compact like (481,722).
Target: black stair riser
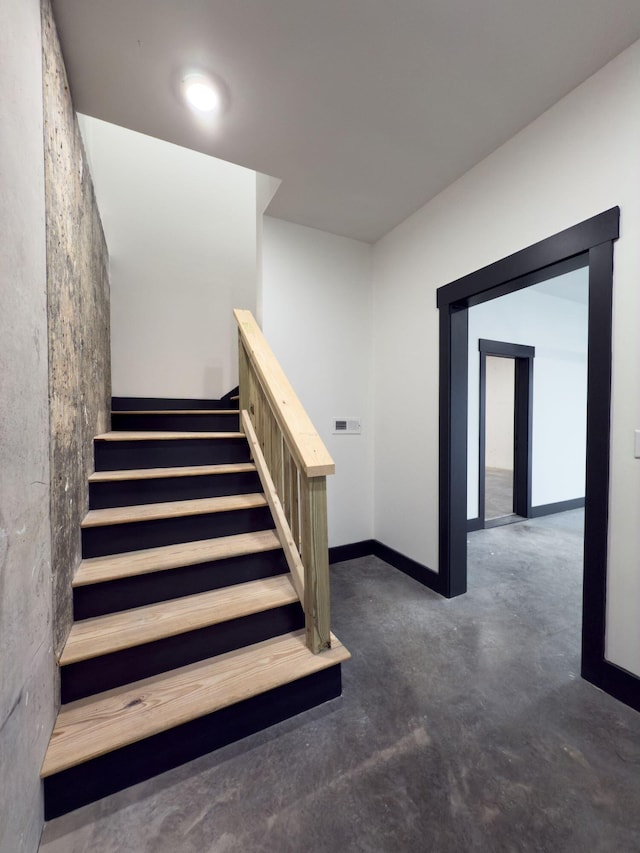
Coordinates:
(177,422)
(116,538)
(135,492)
(103,673)
(134,404)
(171,453)
(111,596)
(115,771)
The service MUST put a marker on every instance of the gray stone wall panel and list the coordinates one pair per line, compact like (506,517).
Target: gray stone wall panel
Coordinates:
(27,706)
(78,307)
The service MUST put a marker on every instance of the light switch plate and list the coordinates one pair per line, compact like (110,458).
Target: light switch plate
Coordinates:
(636,451)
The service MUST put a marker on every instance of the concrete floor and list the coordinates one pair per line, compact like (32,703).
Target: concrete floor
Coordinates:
(464,726)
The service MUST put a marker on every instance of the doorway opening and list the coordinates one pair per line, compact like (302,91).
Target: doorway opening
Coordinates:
(590,244)
(504,433)
(499,440)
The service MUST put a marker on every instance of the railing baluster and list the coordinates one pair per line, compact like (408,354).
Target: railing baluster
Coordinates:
(244,377)
(268,443)
(295,506)
(286,483)
(260,417)
(276,451)
(251,403)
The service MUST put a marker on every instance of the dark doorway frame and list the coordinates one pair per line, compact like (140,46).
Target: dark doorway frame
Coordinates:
(589,243)
(522,427)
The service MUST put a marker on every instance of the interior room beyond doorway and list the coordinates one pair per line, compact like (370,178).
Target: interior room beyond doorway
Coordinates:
(527,401)
(499,437)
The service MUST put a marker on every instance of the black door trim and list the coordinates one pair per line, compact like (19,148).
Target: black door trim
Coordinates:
(522,428)
(594,237)
(530,261)
(505,350)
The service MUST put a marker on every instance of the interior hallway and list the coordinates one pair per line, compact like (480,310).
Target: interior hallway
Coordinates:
(498,493)
(464,726)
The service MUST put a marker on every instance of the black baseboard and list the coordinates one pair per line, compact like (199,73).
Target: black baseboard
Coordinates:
(474,524)
(340,553)
(235,392)
(551,509)
(419,572)
(109,773)
(615,681)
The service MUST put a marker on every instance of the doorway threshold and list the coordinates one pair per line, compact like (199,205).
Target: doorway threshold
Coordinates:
(512,518)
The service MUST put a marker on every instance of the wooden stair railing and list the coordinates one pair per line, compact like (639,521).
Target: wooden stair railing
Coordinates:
(293,464)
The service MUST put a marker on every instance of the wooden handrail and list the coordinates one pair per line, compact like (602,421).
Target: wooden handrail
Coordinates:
(304,442)
(292,463)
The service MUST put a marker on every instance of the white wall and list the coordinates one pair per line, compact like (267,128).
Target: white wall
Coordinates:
(181,232)
(557,328)
(317,319)
(579,158)
(499,413)
(27,664)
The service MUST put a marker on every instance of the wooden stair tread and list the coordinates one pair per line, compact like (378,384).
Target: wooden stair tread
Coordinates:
(161,435)
(116,566)
(99,724)
(171,509)
(184,471)
(103,635)
(176,412)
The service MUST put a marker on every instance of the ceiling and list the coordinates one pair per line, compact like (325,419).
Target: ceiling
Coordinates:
(573,286)
(365,109)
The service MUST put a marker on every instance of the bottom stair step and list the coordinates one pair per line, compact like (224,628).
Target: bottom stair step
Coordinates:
(107,742)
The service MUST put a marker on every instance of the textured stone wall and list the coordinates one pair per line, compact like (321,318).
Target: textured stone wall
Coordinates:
(26,654)
(78,307)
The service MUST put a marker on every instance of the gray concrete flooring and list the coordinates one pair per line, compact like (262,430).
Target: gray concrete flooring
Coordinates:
(464,726)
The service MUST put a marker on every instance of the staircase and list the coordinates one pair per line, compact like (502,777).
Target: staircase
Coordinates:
(188,633)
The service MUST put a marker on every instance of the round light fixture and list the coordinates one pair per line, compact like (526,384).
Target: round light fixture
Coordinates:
(201,93)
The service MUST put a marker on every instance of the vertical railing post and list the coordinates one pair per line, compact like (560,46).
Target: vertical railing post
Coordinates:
(315,558)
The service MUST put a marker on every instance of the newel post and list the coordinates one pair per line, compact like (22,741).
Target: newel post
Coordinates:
(315,557)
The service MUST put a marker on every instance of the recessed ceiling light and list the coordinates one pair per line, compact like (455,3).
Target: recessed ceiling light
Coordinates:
(201,93)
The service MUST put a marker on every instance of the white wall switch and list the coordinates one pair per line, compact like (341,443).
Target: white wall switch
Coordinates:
(636,451)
